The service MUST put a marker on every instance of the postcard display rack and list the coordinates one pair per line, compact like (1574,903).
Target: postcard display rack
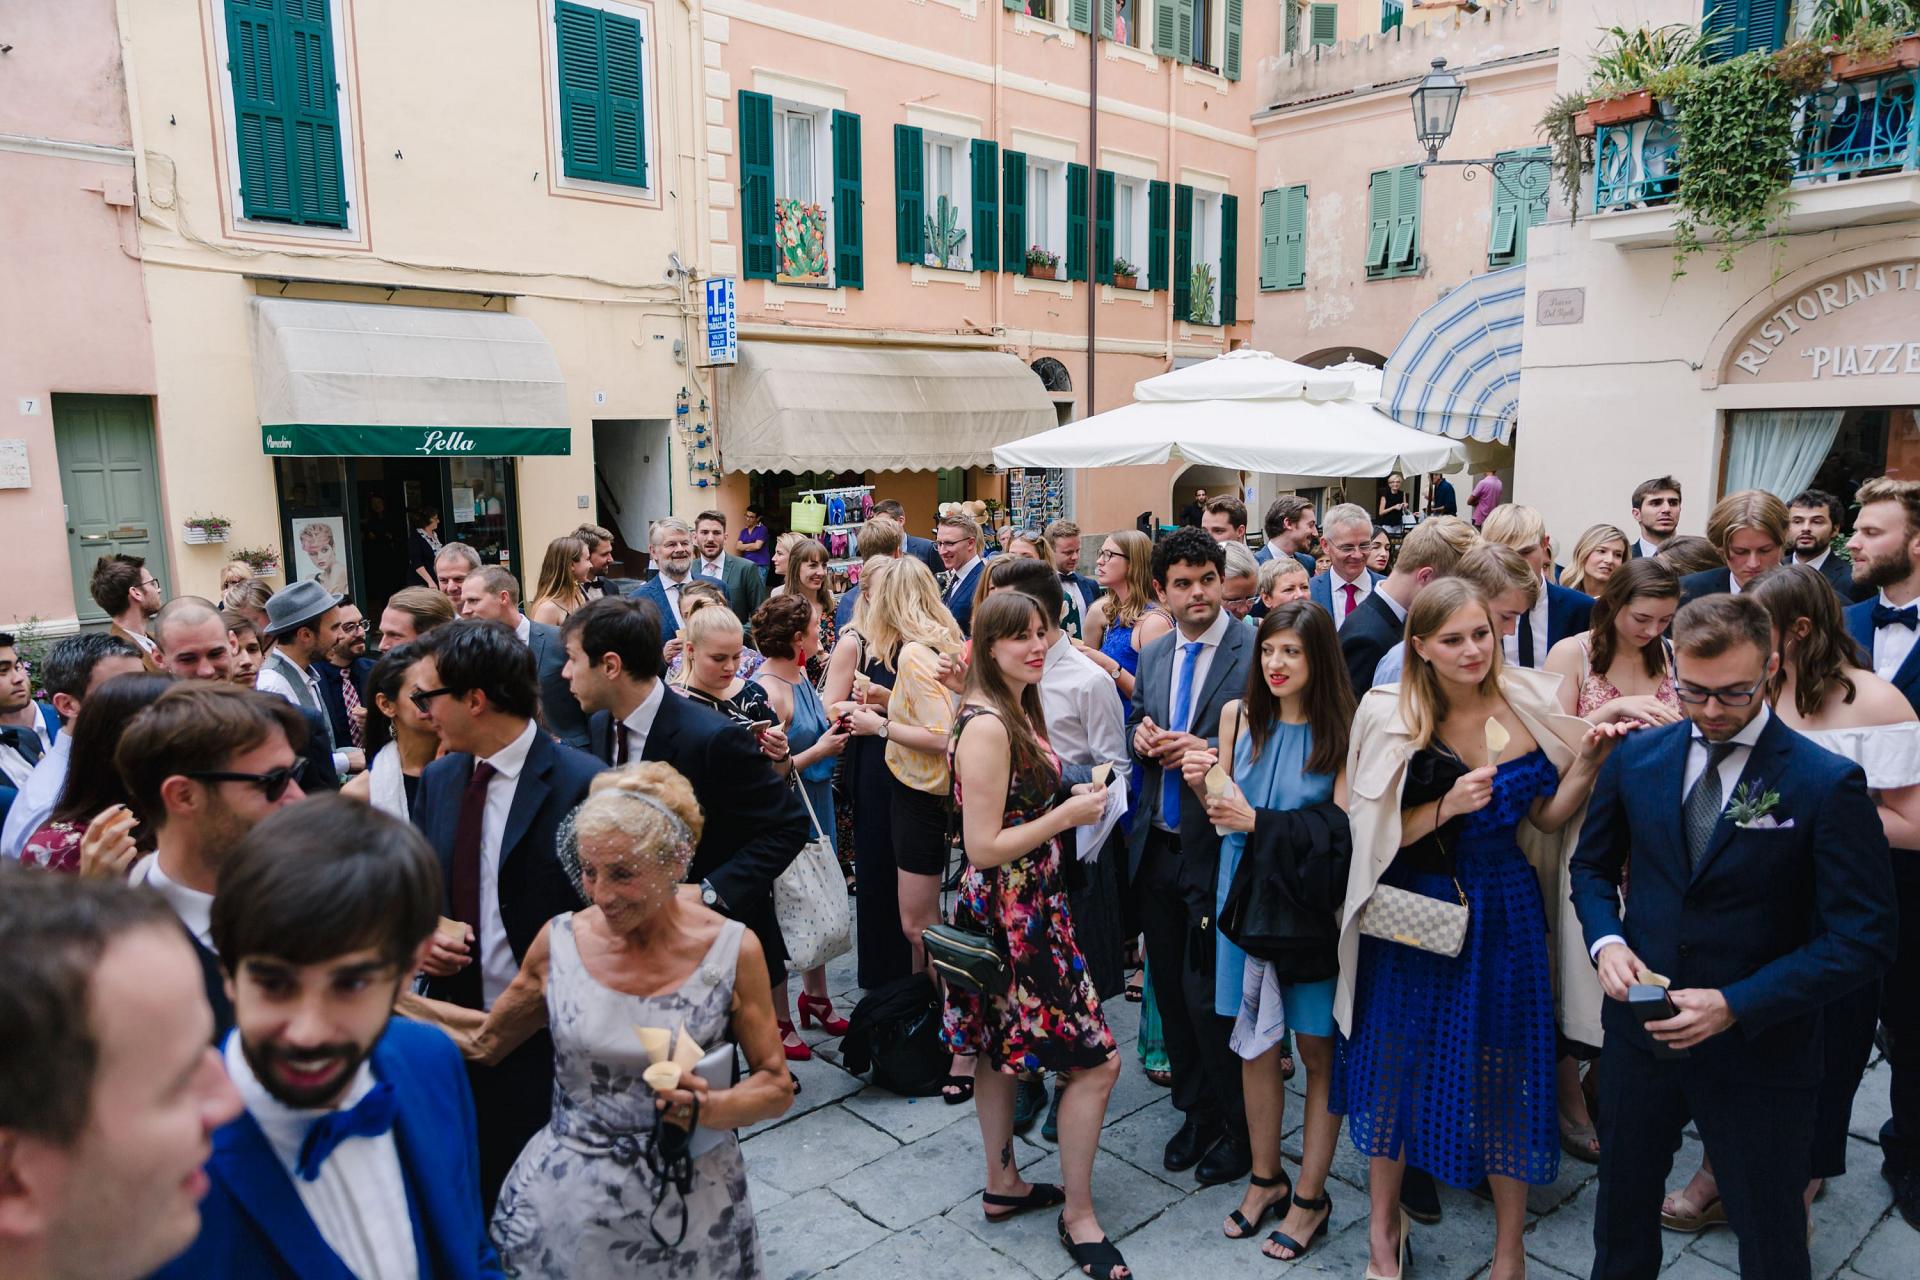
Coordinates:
(847,509)
(1036,496)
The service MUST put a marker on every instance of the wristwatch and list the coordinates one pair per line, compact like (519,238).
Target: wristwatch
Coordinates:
(886,730)
(711,896)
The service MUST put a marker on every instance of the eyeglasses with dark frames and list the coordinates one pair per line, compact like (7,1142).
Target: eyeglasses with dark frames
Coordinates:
(422,699)
(273,783)
(1695,696)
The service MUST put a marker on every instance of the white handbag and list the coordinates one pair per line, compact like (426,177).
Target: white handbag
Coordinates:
(810,900)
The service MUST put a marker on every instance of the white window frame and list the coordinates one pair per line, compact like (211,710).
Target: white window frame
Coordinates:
(962,194)
(1053,236)
(649,104)
(349,145)
(1134,223)
(1136,26)
(1210,27)
(1205,247)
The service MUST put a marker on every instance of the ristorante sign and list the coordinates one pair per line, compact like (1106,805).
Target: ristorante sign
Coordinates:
(1862,324)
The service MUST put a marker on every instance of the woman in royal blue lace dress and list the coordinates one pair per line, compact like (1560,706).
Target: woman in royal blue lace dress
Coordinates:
(1447,1062)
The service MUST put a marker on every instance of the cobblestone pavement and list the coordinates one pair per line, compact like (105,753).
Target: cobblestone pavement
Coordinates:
(855,1182)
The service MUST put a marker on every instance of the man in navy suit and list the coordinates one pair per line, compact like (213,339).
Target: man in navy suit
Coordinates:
(756,823)
(1080,591)
(341,672)
(357,1146)
(1761,889)
(1656,510)
(1347,582)
(1291,530)
(1559,611)
(1812,517)
(1886,562)
(673,552)
(1185,677)
(922,549)
(491,594)
(1749,530)
(492,808)
(957,538)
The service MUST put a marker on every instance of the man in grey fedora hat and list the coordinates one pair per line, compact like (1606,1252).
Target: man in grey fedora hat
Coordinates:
(303,621)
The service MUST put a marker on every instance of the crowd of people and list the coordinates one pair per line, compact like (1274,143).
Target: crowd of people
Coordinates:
(1518,859)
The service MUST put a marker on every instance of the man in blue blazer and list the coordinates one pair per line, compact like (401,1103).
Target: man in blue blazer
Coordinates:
(1762,889)
(673,552)
(346,663)
(1185,678)
(357,1145)
(1558,612)
(958,541)
(1291,529)
(922,549)
(491,594)
(492,809)
(1079,591)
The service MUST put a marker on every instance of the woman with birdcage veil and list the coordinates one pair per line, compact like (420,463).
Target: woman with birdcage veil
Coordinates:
(628,1179)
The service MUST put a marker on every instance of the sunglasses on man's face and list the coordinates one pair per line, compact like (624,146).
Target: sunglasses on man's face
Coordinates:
(273,783)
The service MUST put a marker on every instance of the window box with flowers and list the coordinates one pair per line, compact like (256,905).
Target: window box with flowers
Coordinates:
(1042,264)
(203,529)
(1125,274)
(264,560)
(800,238)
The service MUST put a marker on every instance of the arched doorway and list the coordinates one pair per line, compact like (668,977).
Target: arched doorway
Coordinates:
(1327,357)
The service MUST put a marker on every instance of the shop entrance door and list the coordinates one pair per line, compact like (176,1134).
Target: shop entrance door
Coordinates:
(390,494)
(109,481)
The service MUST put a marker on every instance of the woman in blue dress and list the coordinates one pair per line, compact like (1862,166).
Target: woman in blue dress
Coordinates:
(1288,739)
(1447,1062)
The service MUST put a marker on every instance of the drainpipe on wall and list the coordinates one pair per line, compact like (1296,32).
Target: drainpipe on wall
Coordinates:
(1093,199)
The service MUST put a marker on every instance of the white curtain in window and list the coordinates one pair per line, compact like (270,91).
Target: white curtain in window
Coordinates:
(1778,450)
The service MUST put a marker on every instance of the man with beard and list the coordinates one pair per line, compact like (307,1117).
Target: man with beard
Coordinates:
(1884,547)
(1812,517)
(203,764)
(341,672)
(746,585)
(673,552)
(355,1152)
(1656,510)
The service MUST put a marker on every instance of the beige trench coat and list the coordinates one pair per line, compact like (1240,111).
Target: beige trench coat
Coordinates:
(1376,770)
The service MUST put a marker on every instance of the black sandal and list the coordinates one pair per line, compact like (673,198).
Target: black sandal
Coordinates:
(1135,994)
(1239,1220)
(1288,1242)
(1097,1253)
(956,1090)
(1041,1195)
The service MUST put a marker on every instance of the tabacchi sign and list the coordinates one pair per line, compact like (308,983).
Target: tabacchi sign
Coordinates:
(1863,324)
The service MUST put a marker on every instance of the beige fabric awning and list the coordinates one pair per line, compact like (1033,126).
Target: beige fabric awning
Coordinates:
(815,407)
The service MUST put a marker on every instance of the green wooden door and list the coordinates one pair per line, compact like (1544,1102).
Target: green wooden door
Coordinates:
(111,487)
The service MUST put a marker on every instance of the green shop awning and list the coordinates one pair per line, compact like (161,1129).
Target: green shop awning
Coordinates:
(351,378)
(312,440)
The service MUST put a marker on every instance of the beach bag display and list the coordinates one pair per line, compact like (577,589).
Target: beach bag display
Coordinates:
(807,516)
(810,901)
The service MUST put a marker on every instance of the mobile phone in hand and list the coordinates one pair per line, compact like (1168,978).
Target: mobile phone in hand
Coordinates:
(1651,1003)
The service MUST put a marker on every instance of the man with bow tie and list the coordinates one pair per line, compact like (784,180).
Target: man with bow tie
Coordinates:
(356,1155)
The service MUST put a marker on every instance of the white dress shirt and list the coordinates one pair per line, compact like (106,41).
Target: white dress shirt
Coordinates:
(1818,562)
(639,722)
(359,1201)
(523,629)
(194,908)
(1202,663)
(1891,644)
(38,795)
(1537,620)
(1733,584)
(497,965)
(1731,766)
(671,590)
(1648,548)
(13,765)
(715,569)
(1363,587)
(272,680)
(1082,706)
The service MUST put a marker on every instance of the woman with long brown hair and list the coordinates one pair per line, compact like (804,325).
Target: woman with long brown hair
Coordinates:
(1287,740)
(1014,891)
(806,569)
(563,576)
(1621,667)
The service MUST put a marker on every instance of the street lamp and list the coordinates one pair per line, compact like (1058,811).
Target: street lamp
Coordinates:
(1436,105)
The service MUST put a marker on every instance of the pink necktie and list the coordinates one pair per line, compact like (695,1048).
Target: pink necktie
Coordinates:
(351,697)
(1353,594)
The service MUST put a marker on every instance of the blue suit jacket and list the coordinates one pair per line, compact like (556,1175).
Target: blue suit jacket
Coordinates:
(1569,612)
(656,595)
(558,710)
(1860,625)
(1783,922)
(253,1226)
(329,678)
(844,606)
(1320,589)
(960,600)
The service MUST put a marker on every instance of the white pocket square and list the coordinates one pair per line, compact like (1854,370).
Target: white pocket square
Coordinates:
(1767,822)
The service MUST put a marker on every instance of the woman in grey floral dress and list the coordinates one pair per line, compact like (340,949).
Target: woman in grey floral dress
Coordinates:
(596,1194)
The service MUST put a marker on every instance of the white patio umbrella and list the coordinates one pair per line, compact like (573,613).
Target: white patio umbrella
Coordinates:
(1244,411)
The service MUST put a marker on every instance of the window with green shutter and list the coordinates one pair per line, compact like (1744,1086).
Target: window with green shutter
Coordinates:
(909,195)
(1323,24)
(1182,251)
(1230,59)
(1076,222)
(759,261)
(1290,40)
(1107,24)
(1166,28)
(849,256)
(1103,226)
(1519,201)
(1741,26)
(1393,223)
(1182,29)
(1159,201)
(1080,15)
(286,105)
(986,205)
(602,115)
(1229,258)
(1392,14)
(1013,209)
(1283,238)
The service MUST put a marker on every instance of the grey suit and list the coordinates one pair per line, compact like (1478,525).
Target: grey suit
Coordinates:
(1171,882)
(558,711)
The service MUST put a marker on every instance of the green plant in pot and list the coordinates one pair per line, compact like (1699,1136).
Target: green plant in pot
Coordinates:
(1867,38)
(1041,262)
(1571,146)
(1633,69)
(1200,294)
(1736,156)
(1125,274)
(944,234)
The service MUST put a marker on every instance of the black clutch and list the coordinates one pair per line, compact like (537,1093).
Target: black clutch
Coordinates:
(966,959)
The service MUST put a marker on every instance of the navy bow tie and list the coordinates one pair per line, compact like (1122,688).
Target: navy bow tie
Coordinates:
(1908,617)
(368,1118)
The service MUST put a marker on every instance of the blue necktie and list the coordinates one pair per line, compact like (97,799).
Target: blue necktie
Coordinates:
(368,1118)
(1170,783)
(1908,617)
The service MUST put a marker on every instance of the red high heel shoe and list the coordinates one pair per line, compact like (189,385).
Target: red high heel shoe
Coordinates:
(795,1052)
(820,1009)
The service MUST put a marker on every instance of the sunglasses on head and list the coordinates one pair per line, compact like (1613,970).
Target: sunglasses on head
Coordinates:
(273,784)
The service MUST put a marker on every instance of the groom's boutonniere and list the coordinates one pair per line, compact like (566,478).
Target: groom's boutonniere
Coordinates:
(1755,812)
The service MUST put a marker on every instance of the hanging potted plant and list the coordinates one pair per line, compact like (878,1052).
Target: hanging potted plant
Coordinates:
(1634,70)
(1042,265)
(1125,274)
(265,560)
(203,529)
(1867,38)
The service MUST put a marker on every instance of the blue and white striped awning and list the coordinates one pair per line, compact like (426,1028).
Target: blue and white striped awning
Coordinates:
(1457,372)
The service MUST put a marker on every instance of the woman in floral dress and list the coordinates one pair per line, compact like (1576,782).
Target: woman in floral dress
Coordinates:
(1014,891)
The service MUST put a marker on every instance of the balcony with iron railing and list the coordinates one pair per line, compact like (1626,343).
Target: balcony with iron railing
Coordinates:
(1856,158)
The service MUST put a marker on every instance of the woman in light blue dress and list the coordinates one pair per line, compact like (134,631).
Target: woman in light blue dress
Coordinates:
(1289,742)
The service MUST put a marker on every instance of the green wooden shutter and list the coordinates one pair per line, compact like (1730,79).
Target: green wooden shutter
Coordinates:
(1018,6)
(1273,230)
(849,254)
(1165,29)
(318,194)
(909,195)
(759,261)
(1404,253)
(1519,202)
(1229,258)
(1293,254)
(1182,251)
(1103,226)
(1013,209)
(1392,15)
(287,111)
(1182,29)
(986,205)
(1741,26)
(253,46)
(1323,23)
(1076,222)
(1080,14)
(602,117)
(1107,8)
(1157,219)
(626,112)
(1291,41)
(1230,62)
(1379,220)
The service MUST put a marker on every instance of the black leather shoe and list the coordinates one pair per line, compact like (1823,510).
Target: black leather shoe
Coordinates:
(1906,1193)
(1185,1148)
(1229,1161)
(1029,1103)
(1419,1197)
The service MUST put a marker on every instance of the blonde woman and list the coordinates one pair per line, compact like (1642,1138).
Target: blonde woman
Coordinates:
(563,576)
(806,570)
(1596,554)
(1124,620)
(695,598)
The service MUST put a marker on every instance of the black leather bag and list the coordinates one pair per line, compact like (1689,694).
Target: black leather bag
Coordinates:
(1284,903)
(967,959)
(895,1032)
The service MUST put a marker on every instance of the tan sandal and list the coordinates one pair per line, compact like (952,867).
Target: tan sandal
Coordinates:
(1689,1217)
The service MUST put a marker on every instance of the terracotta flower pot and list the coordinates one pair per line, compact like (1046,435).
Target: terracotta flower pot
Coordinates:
(1041,271)
(1904,56)
(1624,109)
(1126,282)
(1583,126)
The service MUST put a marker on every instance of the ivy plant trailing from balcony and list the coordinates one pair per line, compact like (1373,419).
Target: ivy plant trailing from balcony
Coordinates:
(1572,150)
(1736,156)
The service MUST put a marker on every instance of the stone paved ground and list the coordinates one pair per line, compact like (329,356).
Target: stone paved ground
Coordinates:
(855,1182)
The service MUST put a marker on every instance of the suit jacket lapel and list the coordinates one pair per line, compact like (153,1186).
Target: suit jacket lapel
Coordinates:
(666,728)
(528,795)
(1908,676)
(1669,766)
(423,1166)
(1860,624)
(263,1189)
(1763,765)
(1230,645)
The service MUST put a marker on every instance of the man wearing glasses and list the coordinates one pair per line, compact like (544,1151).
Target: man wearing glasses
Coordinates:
(203,764)
(123,587)
(1762,891)
(341,672)
(303,621)
(1347,583)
